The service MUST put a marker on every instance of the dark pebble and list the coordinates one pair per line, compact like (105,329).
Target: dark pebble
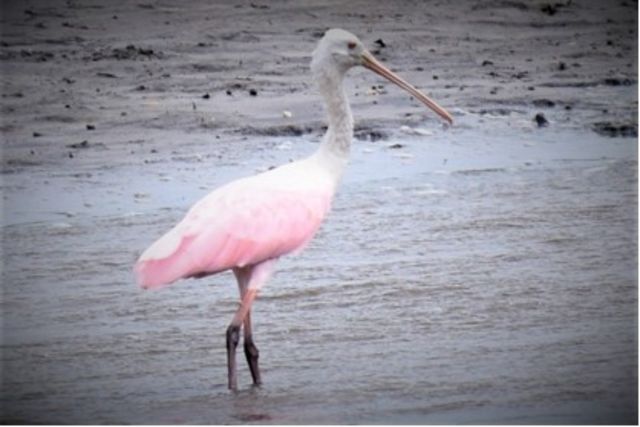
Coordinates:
(562,66)
(550,9)
(91,127)
(541,120)
(396,146)
(380,43)
(37,134)
(206,96)
(253,92)
(486,62)
(229,92)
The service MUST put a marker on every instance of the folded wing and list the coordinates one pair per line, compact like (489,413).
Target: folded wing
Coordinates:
(239,224)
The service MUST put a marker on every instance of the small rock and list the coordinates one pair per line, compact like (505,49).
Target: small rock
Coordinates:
(562,66)
(287,114)
(206,96)
(91,127)
(253,92)
(541,120)
(395,146)
(228,92)
(37,134)
(380,43)
(486,62)
(550,9)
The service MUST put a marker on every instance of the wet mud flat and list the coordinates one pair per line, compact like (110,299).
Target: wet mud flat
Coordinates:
(480,273)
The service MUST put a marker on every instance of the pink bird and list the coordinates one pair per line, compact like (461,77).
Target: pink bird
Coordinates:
(246,225)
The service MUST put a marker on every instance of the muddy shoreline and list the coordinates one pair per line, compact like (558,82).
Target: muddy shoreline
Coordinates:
(114,74)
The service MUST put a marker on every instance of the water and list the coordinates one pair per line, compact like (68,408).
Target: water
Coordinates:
(467,277)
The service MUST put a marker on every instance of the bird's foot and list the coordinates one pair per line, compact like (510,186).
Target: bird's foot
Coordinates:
(252,353)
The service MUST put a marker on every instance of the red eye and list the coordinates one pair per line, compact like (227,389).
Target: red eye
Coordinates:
(351,45)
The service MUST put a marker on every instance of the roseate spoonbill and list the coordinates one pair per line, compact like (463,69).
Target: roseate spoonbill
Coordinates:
(246,225)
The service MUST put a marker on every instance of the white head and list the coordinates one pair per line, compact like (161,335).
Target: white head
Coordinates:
(339,50)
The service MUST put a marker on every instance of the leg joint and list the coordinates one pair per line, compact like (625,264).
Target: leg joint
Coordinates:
(233,335)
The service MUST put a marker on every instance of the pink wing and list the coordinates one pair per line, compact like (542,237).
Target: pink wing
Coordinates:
(239,224)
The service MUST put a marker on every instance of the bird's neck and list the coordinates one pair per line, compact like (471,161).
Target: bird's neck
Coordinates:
(334,149)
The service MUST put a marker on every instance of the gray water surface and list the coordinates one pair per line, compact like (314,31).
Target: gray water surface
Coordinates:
(466,277)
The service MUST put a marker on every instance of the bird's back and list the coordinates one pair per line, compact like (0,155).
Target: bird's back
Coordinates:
(242,223)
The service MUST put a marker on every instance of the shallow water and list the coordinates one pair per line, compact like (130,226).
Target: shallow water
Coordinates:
(466,277)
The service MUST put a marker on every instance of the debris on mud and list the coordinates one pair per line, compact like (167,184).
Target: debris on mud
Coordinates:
(366,133)
(615,129)
(83,144)
(130,52)
(547,103)
(286,130)
(614,81)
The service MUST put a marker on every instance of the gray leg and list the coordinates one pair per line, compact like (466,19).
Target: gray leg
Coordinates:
(251,351)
